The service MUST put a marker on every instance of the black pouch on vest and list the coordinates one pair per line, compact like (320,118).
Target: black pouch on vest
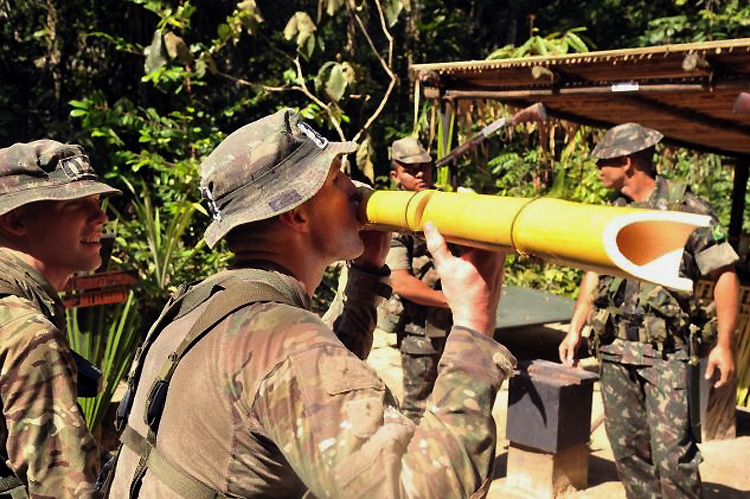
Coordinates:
(88,377)
(156,400)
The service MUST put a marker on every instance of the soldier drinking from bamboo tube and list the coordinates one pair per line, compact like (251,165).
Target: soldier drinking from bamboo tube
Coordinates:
(646,335)
(241,391)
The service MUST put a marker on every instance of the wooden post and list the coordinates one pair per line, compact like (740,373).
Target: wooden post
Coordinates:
(741,169)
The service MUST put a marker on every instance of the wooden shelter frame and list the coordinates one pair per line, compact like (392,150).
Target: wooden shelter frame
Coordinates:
(685,91)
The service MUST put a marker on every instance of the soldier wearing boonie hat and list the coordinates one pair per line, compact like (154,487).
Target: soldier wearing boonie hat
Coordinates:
(50,225)
(250,394)
(626,139)
(646,335)
(263,169)
(417,312)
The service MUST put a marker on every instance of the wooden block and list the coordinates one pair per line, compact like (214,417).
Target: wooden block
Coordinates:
(544,474)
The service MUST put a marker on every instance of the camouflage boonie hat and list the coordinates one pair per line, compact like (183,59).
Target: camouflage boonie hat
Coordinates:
(263,169)
(46,170)
(408,150)
(625,139)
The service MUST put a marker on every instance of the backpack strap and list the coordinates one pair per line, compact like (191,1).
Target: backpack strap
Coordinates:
(239,291)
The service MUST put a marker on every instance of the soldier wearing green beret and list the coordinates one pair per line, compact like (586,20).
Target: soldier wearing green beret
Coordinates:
(241,391)
(646,335)
(50,226)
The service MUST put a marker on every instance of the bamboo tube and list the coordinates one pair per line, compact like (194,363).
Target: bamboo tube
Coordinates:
(645,245)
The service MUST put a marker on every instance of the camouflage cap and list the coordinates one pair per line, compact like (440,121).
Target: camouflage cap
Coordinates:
(625,139)
(263,169)
(46,170)
(409,150)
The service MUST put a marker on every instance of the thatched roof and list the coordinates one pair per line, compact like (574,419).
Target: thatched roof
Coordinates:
(685,91)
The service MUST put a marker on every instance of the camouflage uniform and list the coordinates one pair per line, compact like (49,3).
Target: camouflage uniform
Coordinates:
(274,402)
(642,332)
(422,330)
(45,441)
(45,438)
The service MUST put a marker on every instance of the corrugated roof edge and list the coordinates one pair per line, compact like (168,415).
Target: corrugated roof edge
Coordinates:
(579,57)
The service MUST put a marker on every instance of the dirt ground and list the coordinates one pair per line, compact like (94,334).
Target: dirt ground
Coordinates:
(724,469)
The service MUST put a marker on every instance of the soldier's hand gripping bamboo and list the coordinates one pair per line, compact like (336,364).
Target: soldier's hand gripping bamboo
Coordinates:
(646,245)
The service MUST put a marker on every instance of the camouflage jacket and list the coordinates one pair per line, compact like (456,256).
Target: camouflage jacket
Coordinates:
(45,439)
(400,315)
(273,403)
(634,322)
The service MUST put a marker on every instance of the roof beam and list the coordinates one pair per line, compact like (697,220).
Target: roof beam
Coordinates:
(577,118)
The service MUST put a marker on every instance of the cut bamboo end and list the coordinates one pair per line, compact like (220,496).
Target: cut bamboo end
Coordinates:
(648,245)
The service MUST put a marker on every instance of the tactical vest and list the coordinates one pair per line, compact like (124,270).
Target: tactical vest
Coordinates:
(649,313)
(406,318)
(238,288)
(11,284)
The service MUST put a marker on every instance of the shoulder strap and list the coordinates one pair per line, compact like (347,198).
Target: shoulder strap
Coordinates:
(240,291)
(238,295)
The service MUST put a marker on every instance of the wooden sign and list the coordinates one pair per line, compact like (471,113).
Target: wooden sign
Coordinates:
(100,288)
(102,280)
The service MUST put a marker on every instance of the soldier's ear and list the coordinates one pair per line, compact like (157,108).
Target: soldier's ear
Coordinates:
(296,218)
(13,223)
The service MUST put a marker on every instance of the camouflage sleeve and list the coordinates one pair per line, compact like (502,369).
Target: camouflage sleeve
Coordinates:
(48,444)
(398,256)
(334,421)
(353,313)
(708,245)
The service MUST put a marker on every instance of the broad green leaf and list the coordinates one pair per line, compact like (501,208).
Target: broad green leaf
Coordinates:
(305,27)
(249,15)
(291,28)
(321,76)
(333,5)
(200,68)
(307,47)
(156,55)
(301,26)
(336,84)
(365,158)
(225,32)
(349,73)
(391,9)
(177,49)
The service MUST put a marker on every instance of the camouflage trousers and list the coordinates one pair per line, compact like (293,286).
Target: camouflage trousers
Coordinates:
(420,373)
(647,422)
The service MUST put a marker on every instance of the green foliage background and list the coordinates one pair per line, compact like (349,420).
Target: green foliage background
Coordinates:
(150,87)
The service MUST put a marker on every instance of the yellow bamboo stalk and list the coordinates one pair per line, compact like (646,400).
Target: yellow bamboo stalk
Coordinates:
(645,245)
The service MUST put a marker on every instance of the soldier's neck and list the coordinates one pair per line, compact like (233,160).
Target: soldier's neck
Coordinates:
(56,277)
(639,187)
(302,268)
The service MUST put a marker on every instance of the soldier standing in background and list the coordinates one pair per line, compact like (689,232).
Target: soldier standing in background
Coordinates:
(265,399)
(50,227)
(645,334)
(417,312)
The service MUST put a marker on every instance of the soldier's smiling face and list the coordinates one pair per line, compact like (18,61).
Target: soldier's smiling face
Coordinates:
(65,235)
